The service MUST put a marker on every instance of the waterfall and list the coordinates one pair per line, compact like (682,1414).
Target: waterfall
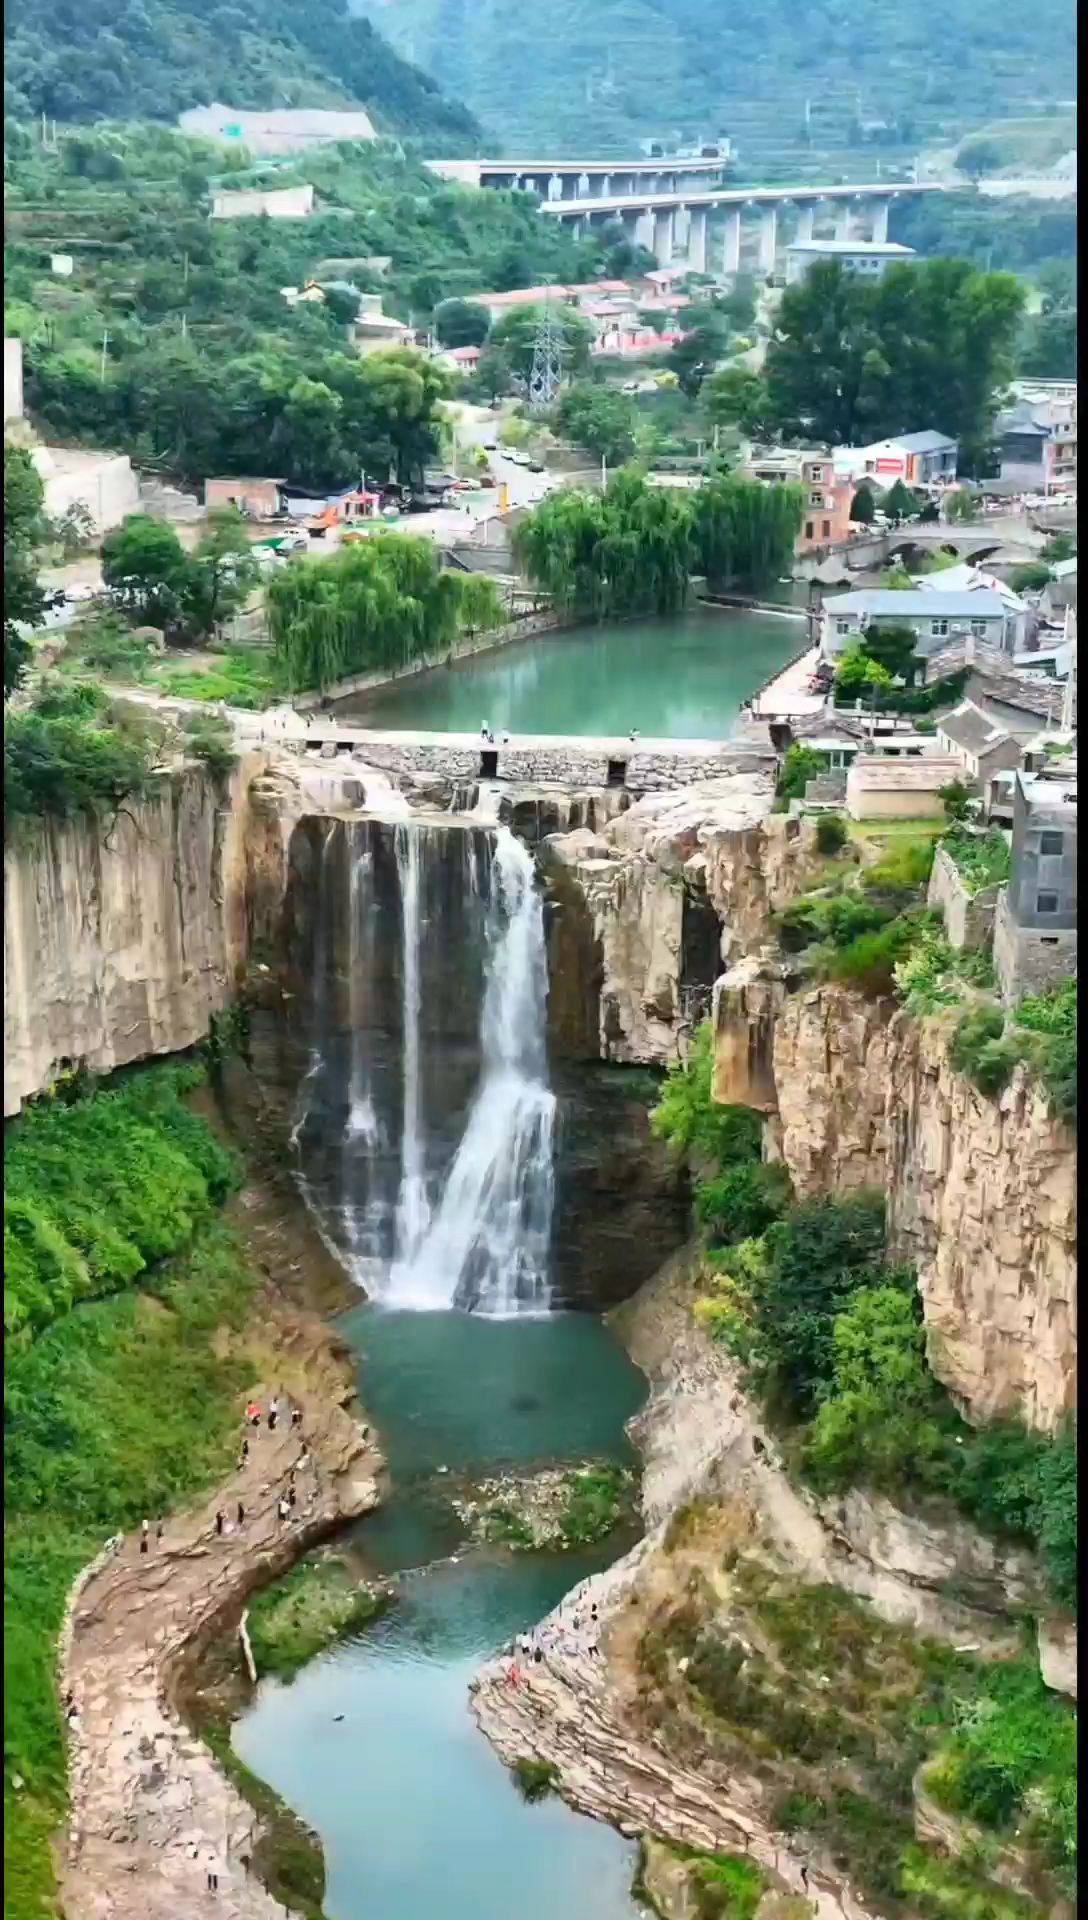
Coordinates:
(413,1210)
(487,1246)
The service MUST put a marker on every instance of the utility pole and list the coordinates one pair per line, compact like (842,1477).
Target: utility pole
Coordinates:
(102,361)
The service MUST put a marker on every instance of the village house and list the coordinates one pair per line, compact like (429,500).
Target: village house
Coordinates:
(1035,926)
(868,257)
(918,459)
(934,617)
(881,788)
(261,498)
(980,743)
(825,515)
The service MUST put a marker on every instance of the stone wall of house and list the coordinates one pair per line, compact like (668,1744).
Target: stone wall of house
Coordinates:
(1027,961)
(968,918)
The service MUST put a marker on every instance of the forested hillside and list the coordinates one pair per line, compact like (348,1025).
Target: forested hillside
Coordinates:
(150,59)
(172,339)
(623,70)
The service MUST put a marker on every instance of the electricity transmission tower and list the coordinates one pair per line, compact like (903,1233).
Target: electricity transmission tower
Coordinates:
(547,367)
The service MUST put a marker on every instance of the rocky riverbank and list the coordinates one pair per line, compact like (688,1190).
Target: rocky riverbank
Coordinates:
(149,1806)
(729,1533)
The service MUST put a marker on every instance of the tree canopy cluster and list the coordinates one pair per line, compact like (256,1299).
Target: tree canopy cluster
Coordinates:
(381,602)
(634,548)
(929,344)
(150,59)
(205,367)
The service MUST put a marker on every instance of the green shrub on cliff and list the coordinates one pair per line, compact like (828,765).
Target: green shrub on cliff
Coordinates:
(689,1118)
(98,1190)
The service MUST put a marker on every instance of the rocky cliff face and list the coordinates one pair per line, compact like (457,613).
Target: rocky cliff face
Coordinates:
(645,910)
(981,1192)
(121,937)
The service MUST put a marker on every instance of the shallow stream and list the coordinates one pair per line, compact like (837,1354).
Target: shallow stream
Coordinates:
(417,1816)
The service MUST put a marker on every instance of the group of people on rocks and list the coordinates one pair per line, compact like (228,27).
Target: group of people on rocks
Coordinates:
(288,1499)
(573,1629)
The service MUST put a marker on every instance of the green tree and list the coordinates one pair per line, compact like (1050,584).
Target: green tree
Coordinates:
(955,798)
(461,323)
(892,647)
(626,551)
(146,569)
(863,506)
(744,530)
(599,419)
(858,676)
(381,602)
(220,576)
(930,344)
(701,346)
(978,156)
(514,335)
(900,503)
(737,397)
(23,605)
(1032,577)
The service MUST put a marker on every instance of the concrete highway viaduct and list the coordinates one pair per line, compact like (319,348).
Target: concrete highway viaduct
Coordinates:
(685,207)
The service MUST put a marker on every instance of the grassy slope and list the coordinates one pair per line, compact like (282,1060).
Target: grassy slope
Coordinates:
(123,1405)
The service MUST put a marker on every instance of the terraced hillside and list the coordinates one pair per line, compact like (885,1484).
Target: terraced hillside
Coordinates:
(879,80)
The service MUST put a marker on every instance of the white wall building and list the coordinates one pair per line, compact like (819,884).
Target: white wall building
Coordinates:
(290,130)
(104,484)
(868,257)
(935,618)
(13,379)
(279,203)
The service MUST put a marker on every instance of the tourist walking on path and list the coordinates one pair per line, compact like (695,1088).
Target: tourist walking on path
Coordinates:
(145,1528)
(220,1521)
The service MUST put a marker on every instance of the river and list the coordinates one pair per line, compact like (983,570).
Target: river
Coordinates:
(416,1815)
(684,677)
(464,1364)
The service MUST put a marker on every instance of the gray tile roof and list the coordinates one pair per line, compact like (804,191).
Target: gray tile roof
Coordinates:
(969,727)
(928,442)
(982,604)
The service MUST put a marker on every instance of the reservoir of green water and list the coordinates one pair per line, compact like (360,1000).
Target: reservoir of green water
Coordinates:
(683,677)
(416,1814)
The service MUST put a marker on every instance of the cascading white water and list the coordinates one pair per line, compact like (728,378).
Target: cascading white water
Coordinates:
(487,1246)
(413,1210)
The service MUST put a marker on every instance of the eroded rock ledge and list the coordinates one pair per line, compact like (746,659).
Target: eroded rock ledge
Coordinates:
(701,1440)
(148,1803)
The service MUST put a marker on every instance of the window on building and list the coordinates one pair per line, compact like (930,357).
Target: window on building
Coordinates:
(808,529)
(1046,903)
(1051,842)
(815,499)
(827,529)
(938,628)
(842,626)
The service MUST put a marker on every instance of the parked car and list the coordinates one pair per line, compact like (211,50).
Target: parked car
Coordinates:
(536,466)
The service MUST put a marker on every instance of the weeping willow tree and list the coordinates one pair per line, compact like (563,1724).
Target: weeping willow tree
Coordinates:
(601,556)
(381,602)
(633,548)
(744,531)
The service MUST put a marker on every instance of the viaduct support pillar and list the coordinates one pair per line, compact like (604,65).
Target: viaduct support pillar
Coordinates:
(768,239)
(880,222)
(644,228)
(697,240)
(842,219)
(731,242)
(663,237)
(806,223)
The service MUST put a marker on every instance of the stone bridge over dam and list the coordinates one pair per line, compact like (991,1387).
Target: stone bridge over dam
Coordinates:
(569,761)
